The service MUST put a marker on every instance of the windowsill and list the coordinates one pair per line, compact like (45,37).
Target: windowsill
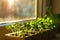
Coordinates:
(21,21)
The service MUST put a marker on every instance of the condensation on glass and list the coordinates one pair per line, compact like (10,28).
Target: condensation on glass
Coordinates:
(11,10)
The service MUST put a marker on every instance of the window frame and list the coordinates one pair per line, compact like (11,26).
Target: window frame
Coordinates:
(35,13)
(41,11)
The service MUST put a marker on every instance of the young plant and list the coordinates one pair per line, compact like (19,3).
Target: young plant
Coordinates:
(45,23)
(32,27)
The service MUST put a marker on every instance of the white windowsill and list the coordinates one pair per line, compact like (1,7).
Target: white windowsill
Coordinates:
(20,21)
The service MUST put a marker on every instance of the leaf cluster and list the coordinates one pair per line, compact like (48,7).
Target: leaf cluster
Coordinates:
(32,27)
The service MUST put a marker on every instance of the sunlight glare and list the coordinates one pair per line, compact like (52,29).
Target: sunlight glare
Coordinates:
(10,2)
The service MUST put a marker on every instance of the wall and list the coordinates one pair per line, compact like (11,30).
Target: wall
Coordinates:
(44,7)
(39,7)
(56,6)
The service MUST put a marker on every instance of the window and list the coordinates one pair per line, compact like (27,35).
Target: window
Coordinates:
(17,10)
(20,10)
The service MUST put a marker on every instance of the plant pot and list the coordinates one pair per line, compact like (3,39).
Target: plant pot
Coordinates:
(39,36)
(51,34)
(33,37)
(58,28)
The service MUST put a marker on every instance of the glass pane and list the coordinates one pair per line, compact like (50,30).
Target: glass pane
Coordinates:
(12,10)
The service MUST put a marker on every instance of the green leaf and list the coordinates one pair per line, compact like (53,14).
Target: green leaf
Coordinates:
(8,27)
(50,21)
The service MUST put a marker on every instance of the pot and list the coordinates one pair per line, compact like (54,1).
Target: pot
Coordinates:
(47,35)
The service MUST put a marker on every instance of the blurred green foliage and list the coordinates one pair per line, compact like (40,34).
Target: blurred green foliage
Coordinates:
(34,26)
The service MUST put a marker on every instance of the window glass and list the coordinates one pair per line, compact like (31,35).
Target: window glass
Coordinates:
(12,10)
